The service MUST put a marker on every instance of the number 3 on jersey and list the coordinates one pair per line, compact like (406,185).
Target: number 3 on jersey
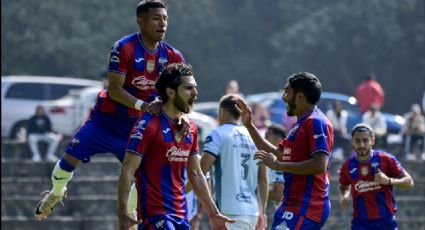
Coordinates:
(245,167)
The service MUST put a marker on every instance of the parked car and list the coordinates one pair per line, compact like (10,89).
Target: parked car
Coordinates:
(209,108)
(68,113)
(277,108)
(21,94)
(204,123)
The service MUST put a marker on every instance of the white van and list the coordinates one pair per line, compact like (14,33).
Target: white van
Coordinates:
(20,95)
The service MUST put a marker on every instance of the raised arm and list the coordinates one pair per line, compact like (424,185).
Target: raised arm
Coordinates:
(246,116)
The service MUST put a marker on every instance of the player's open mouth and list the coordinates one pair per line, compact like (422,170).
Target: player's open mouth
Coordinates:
(191,102)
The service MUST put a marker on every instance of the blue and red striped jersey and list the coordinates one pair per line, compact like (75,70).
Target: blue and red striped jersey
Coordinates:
(371,200)
(307,195)
(140,68)
(160,177)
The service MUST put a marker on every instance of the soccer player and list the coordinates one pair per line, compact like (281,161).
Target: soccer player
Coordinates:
(134,65)
(231,150)
(158,158)
(370,175)
(303,156)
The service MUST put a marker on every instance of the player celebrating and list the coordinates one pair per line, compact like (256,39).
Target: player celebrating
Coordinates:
(303,155)
(371,174)
(134,65)
(158,159)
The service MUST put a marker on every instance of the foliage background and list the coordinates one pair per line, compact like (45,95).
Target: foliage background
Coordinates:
(257,42)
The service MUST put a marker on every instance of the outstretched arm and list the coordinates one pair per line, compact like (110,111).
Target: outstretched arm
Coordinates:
(129,166)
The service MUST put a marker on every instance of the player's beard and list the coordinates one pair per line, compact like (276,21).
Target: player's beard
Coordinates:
(180,104)
(363,152)
(291,107)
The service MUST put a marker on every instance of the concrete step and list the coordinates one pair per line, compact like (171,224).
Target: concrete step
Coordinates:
(79,185)
(94,205)
(408,206)
(61,222)
(99,166)
(404,223)
(74,205)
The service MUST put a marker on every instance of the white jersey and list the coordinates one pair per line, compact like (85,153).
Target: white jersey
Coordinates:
(236,172)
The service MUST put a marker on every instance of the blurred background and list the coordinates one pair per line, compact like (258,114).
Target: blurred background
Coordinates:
(258,43)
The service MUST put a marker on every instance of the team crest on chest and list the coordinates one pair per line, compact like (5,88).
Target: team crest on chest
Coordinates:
(150,66)
(364,170)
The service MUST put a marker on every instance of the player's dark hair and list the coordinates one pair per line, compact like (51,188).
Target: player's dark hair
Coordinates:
(308,84)
(228,102)
(170,77)
(362,127)
(277,130)
(145,5)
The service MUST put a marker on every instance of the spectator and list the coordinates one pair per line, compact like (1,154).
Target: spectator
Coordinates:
(288,121)
(40,129)
(233,88)
(275,134)
(260,117)
(338,117)
(377,121)
(414,133)
(369,92)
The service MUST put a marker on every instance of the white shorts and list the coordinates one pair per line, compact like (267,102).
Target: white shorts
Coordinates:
(243,222)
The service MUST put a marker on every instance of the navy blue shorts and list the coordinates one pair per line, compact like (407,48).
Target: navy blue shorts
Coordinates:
(388,223)
(288,220)
(102,133)
(165,223)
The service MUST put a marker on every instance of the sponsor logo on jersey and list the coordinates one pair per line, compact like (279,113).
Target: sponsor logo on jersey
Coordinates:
(74,142)
(365,186)
(137,135)
(177,155)
(141,82)
(166,130)
(286,154)
(115,58)
(150,66)
(138,60)
(141,125)
(160,224)
(319,135)
(162,61)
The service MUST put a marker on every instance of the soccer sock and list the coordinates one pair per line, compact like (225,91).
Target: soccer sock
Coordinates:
(132,200)
(61,175)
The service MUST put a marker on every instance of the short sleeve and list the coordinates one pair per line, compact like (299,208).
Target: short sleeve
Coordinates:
(212,143)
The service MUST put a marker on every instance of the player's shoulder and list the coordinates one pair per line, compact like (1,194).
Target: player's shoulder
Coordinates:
(384,155)
(126,39)
(170,49)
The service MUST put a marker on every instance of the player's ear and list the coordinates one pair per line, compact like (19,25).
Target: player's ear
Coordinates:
(170,92)
(139,21)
